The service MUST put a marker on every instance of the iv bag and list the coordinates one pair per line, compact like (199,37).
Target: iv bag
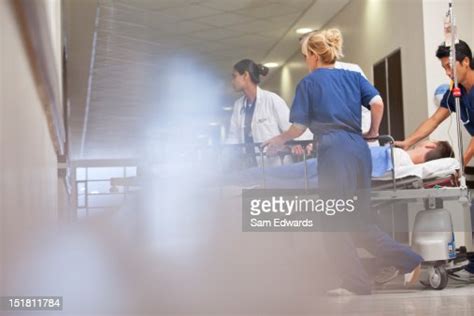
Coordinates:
(447,31)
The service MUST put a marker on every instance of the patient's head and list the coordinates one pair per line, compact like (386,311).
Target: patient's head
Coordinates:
(430,150)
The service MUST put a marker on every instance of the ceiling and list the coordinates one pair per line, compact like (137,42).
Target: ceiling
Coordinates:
(145,73)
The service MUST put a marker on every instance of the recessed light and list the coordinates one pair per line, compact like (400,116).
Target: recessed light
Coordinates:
(214,124)
(304,30)
(227,108)
(271,65)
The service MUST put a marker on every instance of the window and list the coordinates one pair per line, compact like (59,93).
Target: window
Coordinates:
(94,193)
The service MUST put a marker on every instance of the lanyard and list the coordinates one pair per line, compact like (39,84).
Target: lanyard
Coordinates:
(248,106)
(249,110)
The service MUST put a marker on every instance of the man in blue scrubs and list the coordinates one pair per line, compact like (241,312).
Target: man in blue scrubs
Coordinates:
(465,74)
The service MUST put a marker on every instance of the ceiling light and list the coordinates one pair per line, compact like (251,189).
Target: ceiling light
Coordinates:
(271,65)
(214,124)
(227,108)
(304,30)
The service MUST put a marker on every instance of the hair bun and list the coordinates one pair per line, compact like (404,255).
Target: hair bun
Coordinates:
(334,40)
(262,70)
(326,43)
(334,37)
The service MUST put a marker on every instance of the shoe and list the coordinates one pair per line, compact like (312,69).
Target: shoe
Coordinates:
(464,274)
(386,274)
(412,278)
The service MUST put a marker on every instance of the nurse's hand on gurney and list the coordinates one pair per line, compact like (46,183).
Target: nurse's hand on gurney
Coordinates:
(276,144)
(371,136)
(299,151)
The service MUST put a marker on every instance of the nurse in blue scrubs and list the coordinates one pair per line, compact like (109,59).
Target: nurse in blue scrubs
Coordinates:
(465,75)
(327,101)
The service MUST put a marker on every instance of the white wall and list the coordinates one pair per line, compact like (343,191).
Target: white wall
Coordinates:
(373,29)
(28,163)
(433,16)
(53,11)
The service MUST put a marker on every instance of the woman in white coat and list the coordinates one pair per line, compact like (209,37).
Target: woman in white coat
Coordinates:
(258,115)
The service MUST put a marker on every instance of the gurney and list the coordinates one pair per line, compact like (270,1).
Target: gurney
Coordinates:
(434,183)
(303,175)
(433,179)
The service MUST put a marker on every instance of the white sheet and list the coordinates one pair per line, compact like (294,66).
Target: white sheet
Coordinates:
(432,169)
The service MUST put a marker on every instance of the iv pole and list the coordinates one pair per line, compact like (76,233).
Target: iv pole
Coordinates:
(456,90)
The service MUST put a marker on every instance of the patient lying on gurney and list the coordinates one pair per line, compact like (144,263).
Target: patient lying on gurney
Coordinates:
(294,175)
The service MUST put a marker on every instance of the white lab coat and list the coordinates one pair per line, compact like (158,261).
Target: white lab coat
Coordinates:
(270,118)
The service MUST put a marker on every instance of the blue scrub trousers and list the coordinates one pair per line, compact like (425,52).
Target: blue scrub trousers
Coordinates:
(344,169)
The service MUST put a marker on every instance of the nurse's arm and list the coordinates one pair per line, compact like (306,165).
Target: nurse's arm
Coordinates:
(376,113)
(469,152)
(276,143)
(295,131)
(425,129)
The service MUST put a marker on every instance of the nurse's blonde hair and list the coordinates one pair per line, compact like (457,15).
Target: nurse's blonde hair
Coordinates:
(327,44)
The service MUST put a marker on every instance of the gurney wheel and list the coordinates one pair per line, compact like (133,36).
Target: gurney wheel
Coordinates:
(438,278)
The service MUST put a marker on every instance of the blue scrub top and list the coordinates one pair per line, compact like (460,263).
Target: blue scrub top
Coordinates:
(329,99)
(467,107)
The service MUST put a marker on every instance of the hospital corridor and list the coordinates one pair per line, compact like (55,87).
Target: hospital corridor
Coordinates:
(236,157)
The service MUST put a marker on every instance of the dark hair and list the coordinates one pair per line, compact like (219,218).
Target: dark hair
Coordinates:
(462,51)
(254,70)
(443,150)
